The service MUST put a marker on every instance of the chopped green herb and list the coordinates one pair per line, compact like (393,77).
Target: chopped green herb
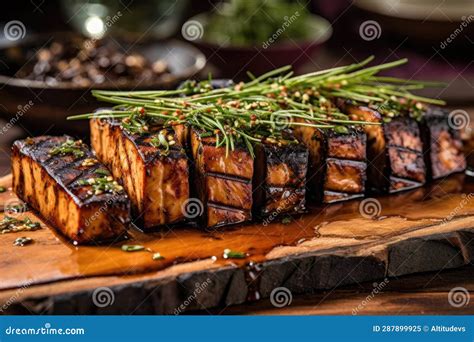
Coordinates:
(101,184)
(2,189)
(102,172)
(230,254)
(23,241)
(133,248)
(157,256)
(341,130)
(12,225)
(68,147)
(287,220)
(163,142)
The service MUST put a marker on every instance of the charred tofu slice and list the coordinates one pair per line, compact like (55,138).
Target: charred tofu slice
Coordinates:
(223,182)
(280,178)
(394,150)
(70,188)
(443,147)
(156,178)
(337,167)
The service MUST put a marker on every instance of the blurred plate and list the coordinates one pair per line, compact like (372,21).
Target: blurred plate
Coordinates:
(433,10)
(40,107)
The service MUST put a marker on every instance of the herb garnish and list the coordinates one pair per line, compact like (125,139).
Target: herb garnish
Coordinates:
(140,248)
(163,140)
(101,184)
(132,248)
(12,225)
(23,241)
(67,147)
(286,220)
(230,254)
(2,189)
(264,108)
(102,172)
(158,256)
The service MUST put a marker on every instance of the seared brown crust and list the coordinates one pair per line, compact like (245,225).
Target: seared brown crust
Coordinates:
(443,147)
(52,185)
(223,183)
(337,170)
(280,178)
(157,182)
(394,150)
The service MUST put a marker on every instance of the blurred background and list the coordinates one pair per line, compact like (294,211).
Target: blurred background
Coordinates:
(52,53)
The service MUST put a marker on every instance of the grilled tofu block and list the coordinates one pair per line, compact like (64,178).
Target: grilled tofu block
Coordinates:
(280,178)
(157,180)
(70,188)
(337,167)
(394,150)
(443,147)
(223,183)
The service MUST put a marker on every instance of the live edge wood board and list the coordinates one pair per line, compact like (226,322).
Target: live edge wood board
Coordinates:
(427,229)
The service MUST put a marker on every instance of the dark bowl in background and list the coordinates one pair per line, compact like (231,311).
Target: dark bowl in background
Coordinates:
(234,61)
(51,105)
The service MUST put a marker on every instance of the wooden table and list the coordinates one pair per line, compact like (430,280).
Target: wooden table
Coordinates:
(426,293)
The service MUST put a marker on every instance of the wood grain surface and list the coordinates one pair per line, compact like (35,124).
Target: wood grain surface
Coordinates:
(428,229)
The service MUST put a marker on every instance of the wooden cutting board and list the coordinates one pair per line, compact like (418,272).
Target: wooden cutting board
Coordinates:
(426,229)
